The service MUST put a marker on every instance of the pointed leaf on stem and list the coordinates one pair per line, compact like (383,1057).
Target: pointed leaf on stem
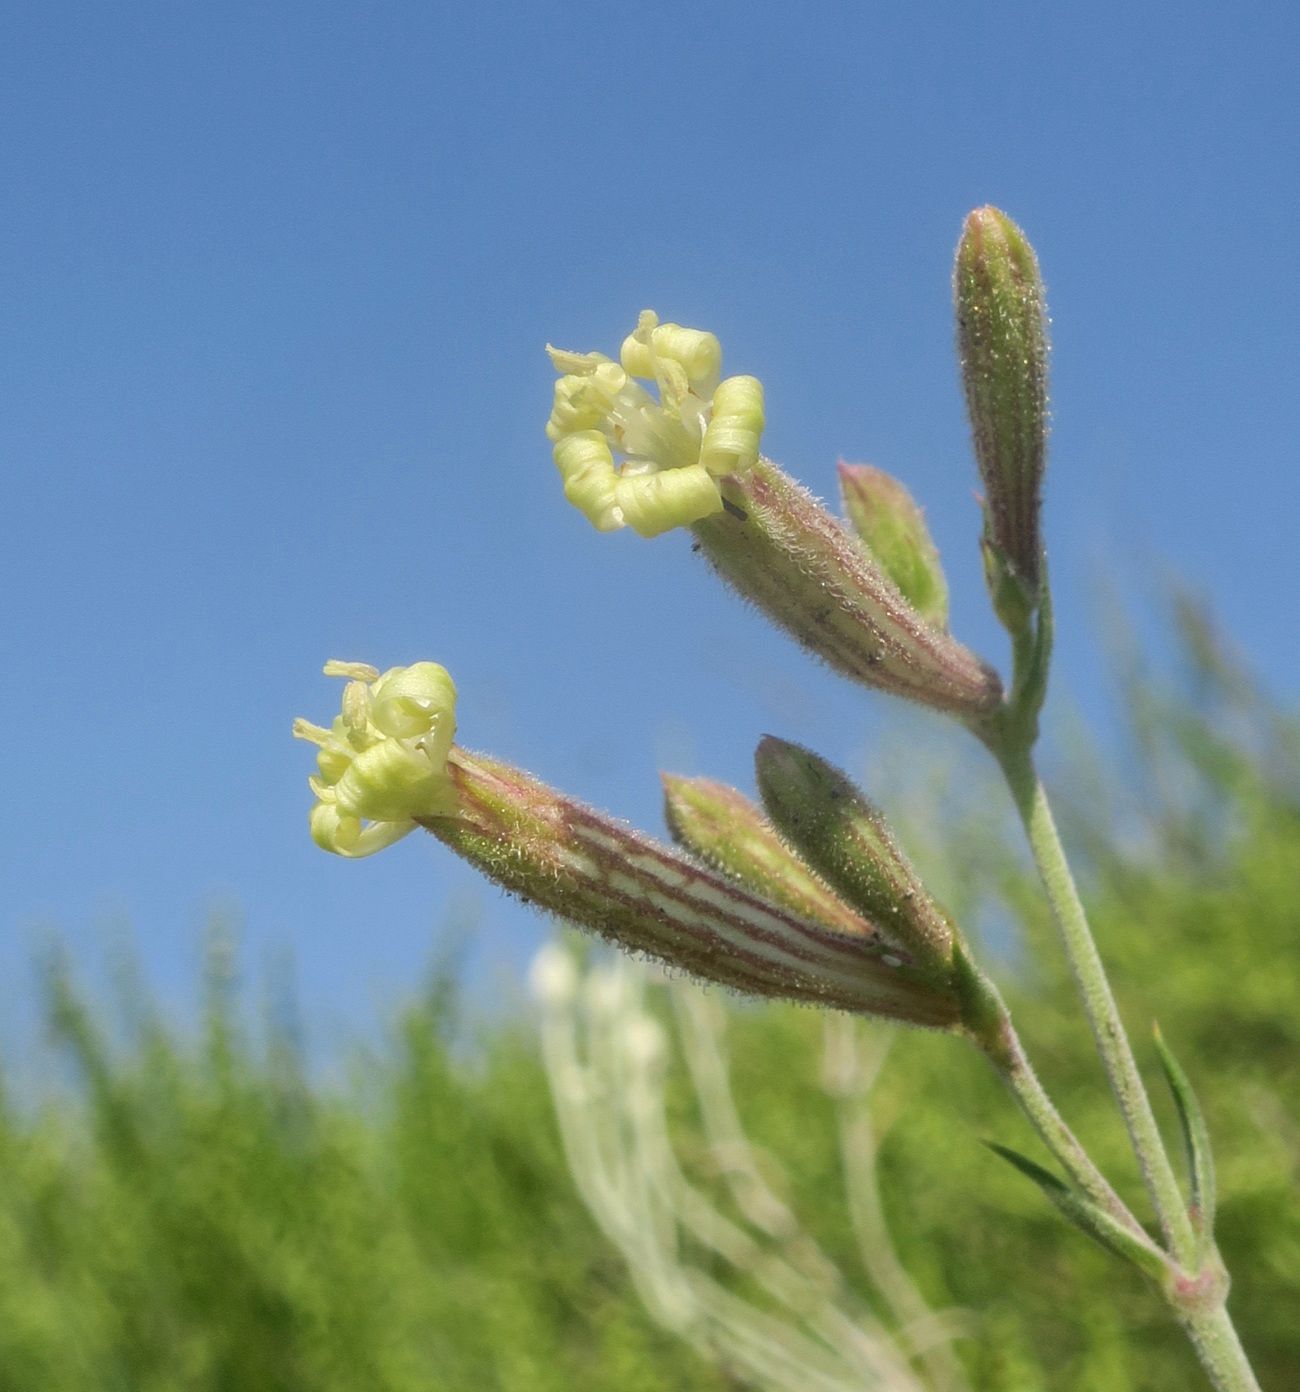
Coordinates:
(1196,1138)
(1085,1215)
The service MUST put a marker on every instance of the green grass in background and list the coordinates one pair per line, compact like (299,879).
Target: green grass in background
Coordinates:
(204,1218)
(197,1214)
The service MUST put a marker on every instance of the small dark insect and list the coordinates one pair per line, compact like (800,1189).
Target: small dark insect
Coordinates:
(737,512)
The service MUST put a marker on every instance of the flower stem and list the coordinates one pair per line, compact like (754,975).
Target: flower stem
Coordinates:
(1217,1345)
(1208,1324)
(1099,1003)
(1015,1069)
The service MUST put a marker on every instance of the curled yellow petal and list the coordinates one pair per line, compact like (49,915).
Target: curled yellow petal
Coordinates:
(699,353)
(731,439)
(345,836)
(392,781)
(637,354)
(648,351)
(655,503)
(407,702)
(586,465)
(583,402)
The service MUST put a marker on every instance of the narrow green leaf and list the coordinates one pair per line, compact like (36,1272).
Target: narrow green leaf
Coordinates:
(1085,1215)
(1196,1138)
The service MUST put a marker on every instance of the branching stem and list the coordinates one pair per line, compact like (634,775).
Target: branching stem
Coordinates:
(1198,1290)
(1015,1069)
(1099,1004)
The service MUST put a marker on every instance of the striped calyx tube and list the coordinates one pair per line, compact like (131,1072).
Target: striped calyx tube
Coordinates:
(387,765)
(778,547)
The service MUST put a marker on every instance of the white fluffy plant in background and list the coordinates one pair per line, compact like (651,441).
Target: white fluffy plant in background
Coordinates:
(804,895)
(612,1031)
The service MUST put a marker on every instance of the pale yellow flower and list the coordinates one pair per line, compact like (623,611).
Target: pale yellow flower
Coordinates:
(383,760)
(630,458)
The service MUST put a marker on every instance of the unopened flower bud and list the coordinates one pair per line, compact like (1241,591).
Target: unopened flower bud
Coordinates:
(843,837)
(1003,345)
(892,528)
(726,830)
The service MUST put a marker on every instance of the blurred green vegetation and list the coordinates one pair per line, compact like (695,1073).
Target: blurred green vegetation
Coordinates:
(197,1212)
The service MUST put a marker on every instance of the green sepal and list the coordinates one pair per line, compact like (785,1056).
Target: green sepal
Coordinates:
(1014,728)
(1032,662)
(1196,1140)
(1087,1217)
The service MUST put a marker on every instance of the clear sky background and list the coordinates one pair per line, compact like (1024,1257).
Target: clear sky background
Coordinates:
(276,280)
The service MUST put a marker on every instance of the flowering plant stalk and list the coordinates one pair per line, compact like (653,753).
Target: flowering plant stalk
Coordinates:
(805,895)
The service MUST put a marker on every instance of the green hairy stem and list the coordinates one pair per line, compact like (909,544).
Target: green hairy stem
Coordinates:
(1197,1289)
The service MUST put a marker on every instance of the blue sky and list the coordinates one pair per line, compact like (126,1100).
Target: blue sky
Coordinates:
(276,284)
